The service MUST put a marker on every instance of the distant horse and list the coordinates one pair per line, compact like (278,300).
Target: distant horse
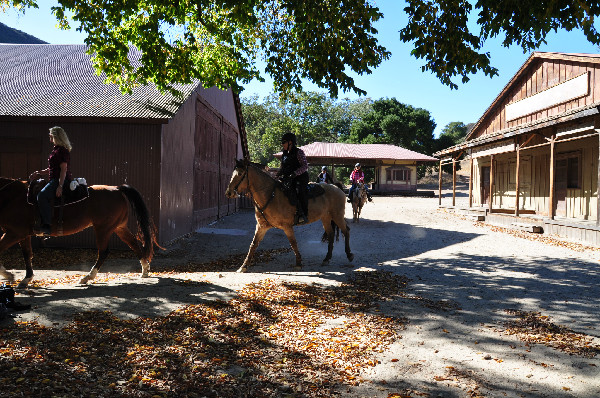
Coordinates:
(358,200)
(272,208)
(106,209)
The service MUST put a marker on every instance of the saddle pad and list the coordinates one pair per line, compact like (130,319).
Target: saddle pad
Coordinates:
(34,188)
(315,190)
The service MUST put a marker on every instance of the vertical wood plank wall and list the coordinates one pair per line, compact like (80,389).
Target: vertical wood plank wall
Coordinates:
(535,183)
(541,75)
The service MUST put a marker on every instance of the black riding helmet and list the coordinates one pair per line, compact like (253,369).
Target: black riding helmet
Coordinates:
(288,137)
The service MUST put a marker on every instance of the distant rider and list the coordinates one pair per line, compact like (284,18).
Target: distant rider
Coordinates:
(357,176)
(324,176)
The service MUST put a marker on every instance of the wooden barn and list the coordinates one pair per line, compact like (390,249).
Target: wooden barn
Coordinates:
(395,167)
(533,154)
(178,151)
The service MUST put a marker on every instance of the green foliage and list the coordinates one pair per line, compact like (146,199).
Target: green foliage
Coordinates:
(311,116)
(443,37)
(219,41)
(395,123)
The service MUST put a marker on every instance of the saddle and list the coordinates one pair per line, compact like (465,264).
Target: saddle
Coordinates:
(77,190)
(312,191)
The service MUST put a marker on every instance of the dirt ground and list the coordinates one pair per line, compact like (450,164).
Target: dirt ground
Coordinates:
(486,311)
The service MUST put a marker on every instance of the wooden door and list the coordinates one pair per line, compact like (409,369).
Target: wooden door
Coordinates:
(206,165)
(485,185)
(560,187)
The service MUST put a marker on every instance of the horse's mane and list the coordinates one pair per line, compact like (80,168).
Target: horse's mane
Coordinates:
(262,168)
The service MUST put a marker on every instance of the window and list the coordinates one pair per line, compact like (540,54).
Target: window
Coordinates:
(402,174)
(573,172)
(568,169)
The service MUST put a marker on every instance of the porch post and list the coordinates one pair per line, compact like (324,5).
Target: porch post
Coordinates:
(440,184)
(517,186)
(471,184)
(551,194)
(453,182)
(491,182)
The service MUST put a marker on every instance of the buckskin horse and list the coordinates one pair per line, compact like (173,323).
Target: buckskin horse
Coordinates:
(273,209)
(106,209)
(358,200)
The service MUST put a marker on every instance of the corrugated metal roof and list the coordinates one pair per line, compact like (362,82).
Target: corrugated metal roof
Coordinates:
(361,151)
(59,80)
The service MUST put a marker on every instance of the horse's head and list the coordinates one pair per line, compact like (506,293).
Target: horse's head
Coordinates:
(239,179)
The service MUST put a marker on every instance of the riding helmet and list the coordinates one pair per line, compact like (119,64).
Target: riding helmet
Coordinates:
(357,165)
(288,137)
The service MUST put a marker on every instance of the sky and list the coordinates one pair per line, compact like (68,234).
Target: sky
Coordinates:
(398,77)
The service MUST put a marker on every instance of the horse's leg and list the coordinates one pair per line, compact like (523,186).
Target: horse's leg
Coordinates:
(126,236)
(102,237)
(27,257)
(341,222)
(289,232)
(259,234)
(330,235)
(7,240)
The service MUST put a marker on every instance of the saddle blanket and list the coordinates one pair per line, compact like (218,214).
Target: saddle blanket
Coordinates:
(75,192)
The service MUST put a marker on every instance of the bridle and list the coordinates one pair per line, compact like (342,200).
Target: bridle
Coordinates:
(260,209)
(7,184)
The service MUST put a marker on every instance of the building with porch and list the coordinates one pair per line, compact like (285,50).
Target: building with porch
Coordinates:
(533,154)
(395,167)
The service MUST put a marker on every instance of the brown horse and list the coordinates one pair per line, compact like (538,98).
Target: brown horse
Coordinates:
(106,209)
(273,209)
(358,200)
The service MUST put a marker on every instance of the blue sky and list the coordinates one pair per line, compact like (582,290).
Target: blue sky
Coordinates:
(399,77)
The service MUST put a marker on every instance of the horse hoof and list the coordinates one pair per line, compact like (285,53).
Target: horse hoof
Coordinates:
(325,263)
(145,275)
(298,268)
(350,257)
(242,269)
(24,283)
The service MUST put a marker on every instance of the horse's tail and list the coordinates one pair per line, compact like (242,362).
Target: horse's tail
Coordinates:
(146,230)
(336,232)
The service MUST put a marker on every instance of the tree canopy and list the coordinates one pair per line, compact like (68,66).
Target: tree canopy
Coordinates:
(219,41)
(395,123)
(311,116)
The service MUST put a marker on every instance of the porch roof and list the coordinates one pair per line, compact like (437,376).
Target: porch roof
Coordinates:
(366,154)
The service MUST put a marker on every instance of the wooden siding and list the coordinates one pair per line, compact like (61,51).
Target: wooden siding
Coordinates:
(177,173)
(542,75)
(199,148)
(581,203)
(103,153)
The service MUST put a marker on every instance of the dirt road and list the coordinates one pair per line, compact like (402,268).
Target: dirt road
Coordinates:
(484,312)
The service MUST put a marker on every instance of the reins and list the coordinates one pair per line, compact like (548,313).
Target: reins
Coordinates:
(5,185)
(260,209)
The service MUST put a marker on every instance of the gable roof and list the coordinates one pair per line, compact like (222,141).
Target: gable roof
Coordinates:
(342,151)
(59,80)
(530,62)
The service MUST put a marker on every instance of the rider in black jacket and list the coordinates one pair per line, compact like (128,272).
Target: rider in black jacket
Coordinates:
(294,167)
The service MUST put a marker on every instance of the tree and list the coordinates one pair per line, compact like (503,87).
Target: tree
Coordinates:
(442,35)
(219,41)
(395,123)
(311,116)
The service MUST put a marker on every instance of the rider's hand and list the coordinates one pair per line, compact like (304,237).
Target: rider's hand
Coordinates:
(59,191)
